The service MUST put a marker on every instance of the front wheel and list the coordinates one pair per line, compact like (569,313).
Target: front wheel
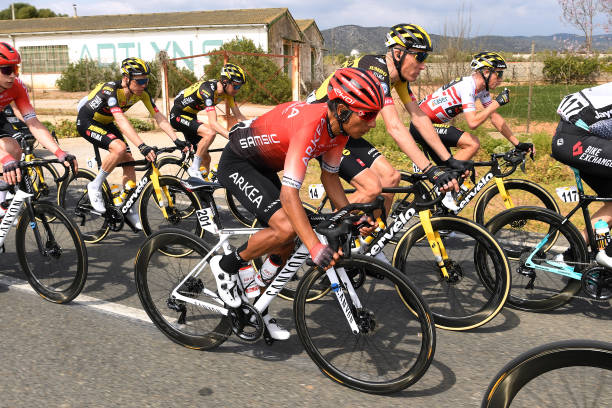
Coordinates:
(576,373)
(158,274)
(51,253)
(522,193)
(395,345)
(473,284)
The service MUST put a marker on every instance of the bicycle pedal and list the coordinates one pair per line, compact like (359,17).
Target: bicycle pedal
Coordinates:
(2,249)
(267,337)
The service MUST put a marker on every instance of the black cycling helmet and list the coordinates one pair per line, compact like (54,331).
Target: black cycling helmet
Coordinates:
(134,66)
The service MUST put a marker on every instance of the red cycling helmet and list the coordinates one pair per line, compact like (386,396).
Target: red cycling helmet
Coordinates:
(357,88)
(8,55)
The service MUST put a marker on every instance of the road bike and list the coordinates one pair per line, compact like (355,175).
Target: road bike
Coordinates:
(550,261)
(346,332)
(162,202)
(50,248)
(571,373)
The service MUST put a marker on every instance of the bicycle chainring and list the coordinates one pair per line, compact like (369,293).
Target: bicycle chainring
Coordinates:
(597,282)
(247,322)
(115,218)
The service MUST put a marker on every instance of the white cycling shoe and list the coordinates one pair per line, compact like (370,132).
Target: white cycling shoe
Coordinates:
(134,219)
(195,173)
(95,198)
(275,330)
(227,284)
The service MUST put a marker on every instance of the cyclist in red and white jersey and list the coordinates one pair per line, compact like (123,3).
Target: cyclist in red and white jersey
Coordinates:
(286,138)
(460,96)
(12,89)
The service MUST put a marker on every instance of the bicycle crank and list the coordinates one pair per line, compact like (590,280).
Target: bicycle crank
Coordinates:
(597,282)
(247,322)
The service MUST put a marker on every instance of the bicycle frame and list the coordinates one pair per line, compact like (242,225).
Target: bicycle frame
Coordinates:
(15,208)
(583,203)
(338,278)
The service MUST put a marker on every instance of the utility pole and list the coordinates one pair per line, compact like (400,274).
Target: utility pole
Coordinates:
(13,10)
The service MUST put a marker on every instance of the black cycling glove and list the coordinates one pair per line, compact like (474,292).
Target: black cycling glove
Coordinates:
(524,147)
(503,97)
(438,177)
(145,149)
(460,165)
(10,166)
(181,144)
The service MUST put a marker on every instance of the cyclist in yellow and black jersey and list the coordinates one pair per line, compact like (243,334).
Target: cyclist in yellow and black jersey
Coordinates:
(204,95)
(362,164)
(102,122)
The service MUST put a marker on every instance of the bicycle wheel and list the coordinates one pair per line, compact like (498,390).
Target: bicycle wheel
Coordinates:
(519,231)
(394,347)
(58,269)
(173,166)
(288,291)
(181,214)
(522,192)
(478,280)
(574,373)
(238,211)
(43,183)
(74,199)
(158,274)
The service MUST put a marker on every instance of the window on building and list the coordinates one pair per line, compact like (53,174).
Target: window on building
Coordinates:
(44,58)
(287,61)
(313,59)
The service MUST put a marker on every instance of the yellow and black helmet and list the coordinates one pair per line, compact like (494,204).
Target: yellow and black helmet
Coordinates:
(488,59)
(134,66)
(233,73)
(409,36)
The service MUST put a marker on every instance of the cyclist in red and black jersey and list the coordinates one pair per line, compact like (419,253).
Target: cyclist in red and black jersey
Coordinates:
(459,96)
(102,122)
(362,165)
(286,138)
(204,95)
(13,90)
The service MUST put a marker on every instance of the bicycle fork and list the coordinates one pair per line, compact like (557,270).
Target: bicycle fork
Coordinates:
(504,194)
(435,242)
(162,196)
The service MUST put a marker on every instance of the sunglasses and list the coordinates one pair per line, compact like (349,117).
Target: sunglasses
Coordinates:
(368,116)
(236,85)
(9,69)
(420,56)
(142,81)
(500,74)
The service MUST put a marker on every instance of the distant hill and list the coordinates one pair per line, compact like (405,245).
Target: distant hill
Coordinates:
(345,38)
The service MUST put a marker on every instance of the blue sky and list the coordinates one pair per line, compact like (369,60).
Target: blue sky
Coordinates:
(505,17)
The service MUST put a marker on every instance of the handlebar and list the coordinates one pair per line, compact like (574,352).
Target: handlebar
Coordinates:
(418,202)
(40,162)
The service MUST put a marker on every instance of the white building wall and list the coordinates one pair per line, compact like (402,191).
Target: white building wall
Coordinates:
(111,47)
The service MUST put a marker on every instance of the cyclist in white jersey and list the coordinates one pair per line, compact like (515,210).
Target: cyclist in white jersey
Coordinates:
(459,96)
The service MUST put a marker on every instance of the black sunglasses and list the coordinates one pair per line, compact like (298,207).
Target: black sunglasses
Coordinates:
(142,81)
(500,74)
(9,69)
(420,56)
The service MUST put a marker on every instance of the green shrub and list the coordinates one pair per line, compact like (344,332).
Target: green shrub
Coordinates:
(258,69)
(63,129)
(85,74)
(570,69)
(141,125)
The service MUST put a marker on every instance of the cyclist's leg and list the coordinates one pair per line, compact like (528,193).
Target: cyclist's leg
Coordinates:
(189,126)
(466,143)
(207,135)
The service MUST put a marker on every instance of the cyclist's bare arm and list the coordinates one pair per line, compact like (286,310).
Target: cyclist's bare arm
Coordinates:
(500,124)
(215,125)
(400,134)
(292,205)
(476,118)
(164,125)
(236,111)
(126,128)
(333,189)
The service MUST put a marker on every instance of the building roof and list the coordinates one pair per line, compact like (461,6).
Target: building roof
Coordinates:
(305,24)
(265,16)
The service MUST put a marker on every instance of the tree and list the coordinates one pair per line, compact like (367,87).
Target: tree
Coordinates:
(259,70)
(580,14)
(25,10)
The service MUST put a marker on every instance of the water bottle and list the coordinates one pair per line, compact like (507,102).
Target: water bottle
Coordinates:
(247,277)
(204,172)
(126,190)
(268,270)
(116,194)
(602,238)
(212,174)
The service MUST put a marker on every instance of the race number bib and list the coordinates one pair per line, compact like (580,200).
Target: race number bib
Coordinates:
(568,194)
(205,218)
(316,191)
(91,163)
